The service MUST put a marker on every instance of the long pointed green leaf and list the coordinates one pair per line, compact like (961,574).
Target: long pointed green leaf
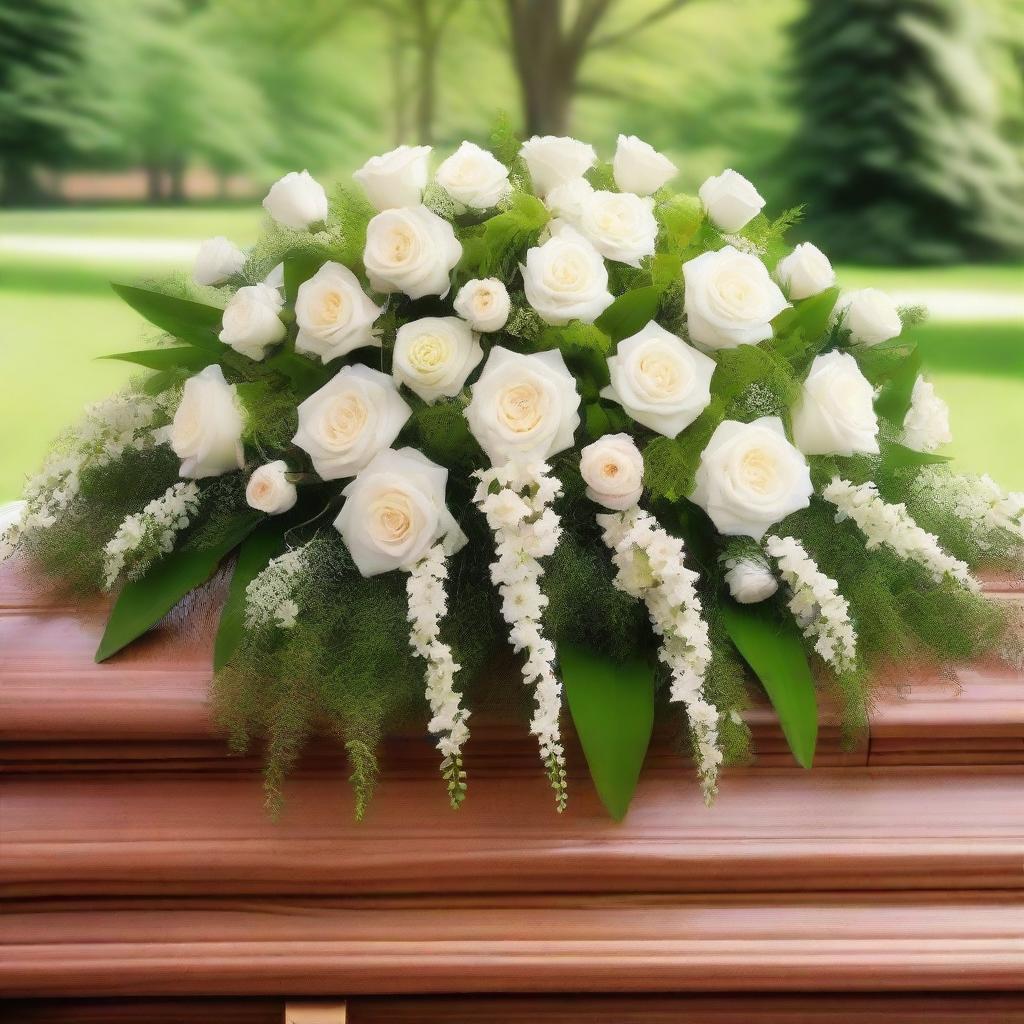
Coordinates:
(187,357)
(629,313)
(898,456)
(190,321)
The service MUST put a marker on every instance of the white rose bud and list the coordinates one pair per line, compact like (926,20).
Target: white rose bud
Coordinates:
(395,512)
(806,271)
(356,414)
(269,489)
(835,413)
(474,177)
(411,251)
(484,304)
(613,470)
(750,477)
(553,159)
(434,355)
(750,581)
(730,299)
(870,315)
(568,200)
(659,380)
(397,178)
(334,314)
(217,261)
(524,407)
(206,433)
(566,279)
(620,225)
(251,322)
(926,425)
(297,201)
(638,167)
(730,200)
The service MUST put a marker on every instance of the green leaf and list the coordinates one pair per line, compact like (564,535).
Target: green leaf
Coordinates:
(298,268)
(186,357)
(306,375)
(612,706)
(773,647)
(895,397)
(812,316)
(898,456)
(193,322)
(629,313)
(680,218)
(596,420)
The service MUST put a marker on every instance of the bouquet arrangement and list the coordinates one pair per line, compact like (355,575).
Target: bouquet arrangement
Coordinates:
(540,401)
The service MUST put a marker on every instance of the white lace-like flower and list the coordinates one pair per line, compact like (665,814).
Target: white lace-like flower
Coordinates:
(996,518)
(270,597)
(926,425)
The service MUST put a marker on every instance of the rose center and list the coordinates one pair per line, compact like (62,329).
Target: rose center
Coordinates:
(391,519)
(345,420)
(662,374)
(759,471)
(521,407)
(428,352)
(332,307)
(399,245)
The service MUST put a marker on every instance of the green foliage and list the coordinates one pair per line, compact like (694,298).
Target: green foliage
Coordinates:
(630,312)
(494,248)
(671,462)
(191,322)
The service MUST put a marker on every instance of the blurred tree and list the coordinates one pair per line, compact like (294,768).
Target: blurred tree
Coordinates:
(898,155)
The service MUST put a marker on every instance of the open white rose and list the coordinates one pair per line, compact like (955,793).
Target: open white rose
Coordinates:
(566,279)
(396,178)
(524,407)
(217,261)
(474,177)
(269,489)
(552,159)
(334,314)
(730,299)
(835,413)
(251,322)
(206,433)
(750,477)
(620,225)
(484,304)
(806,271)
(638,167)
(395,512)
(434,355)
(730,200)
(659,380)
(411,251)
(870,315)
(297,201)
(750,581)
(613,470)
(356,414)
(926,425)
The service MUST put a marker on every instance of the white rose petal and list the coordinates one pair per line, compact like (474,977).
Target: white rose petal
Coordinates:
(269,489)
(870,315)
(750,581)
(926,425)
(484,303)
(474,177)
(356,414)
(613,470)
(297,201)
(217,261)
(275,279)
(434,355)
(638,167)
(412,251)
(806,271)
(568,199)
(835,413)
(566,279)
(397,178)
(553,159)
(334,314)
(620,225)
(659,380)
(251,322)
(730,200)
(207,430)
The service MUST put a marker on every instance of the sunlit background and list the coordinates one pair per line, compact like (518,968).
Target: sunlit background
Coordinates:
(132,129)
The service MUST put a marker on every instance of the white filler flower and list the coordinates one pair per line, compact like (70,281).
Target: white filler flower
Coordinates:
(638,167)
(566,279)
(217,261)
(297,201)
(334,314)
(806,271)
(252,323)
(835,413)
(553,159)
(412,251)
(730,200)
(870,316)
(613,470)
(269,489)
(484,303)
(474,177)
(433,356)
(926,425)
(207,430)
(397,178)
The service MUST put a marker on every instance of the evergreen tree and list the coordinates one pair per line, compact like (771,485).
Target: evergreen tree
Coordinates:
(898,156)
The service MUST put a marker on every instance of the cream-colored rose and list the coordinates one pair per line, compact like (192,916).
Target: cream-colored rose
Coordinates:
(397,178)
(217,261)
(474,177)
(553,159)
(638,167)
(524,407)
(870,316)
(750,581)
(207,430)
(750,477)
(395,512)
(806,271)
(297,201)
(835,413)
(334,314)
(730,299)
(434,355)
(412,251)
(269,489)
(252,322)
(730,200)
(356,414)
(566,279)
(659,380)
(484,304)
(926,425)
(620,225)
(613,470)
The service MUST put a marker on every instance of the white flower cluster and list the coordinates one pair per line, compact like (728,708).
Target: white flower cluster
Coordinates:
(650,568)
(516,499)
(269,597)
(143,537)
(926,425)
(820,610)
(977,500)
(888,525)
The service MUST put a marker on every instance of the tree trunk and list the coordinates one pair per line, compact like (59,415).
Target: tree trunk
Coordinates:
(19,186)
(176,175)
(154,182)
(426,59)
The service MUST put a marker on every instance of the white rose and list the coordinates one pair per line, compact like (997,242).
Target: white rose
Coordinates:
(297,201)
(835,413)
(568,199)
(552,159)
(395,512)
(411,251)
(474,177)
(207,430)
(566,279)
(659,380)
(926,425)
(434,356)
(269,489)
(484,303)
(730,299)
(251,322)
(806,271)
(750,581)
(334,314)
(638,167)
(730,200)
(524,407)
(613,470)
(750,477)
(353,416)
(620,225)
(870,315)
(395,179)
(217,261)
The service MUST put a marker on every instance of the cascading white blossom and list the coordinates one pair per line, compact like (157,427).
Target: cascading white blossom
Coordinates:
(650,567)
(819,609)
(270,596)
(891,526)
(516,500)
(978,501)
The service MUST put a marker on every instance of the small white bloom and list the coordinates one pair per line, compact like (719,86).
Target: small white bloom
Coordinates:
(806,271)
(297,201)
(396,178)
(750,581)
(568,199)
(207,430)
(433,356)
(269,489)
(835,413)
(252,322)
(474,177)
(638,167)
(553,159)
(217,261)
(730,200)
(412,251)
(613,470)
(566,279)
(870,315)
(620,225)
(926,425)
(484,303)
(334,314)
